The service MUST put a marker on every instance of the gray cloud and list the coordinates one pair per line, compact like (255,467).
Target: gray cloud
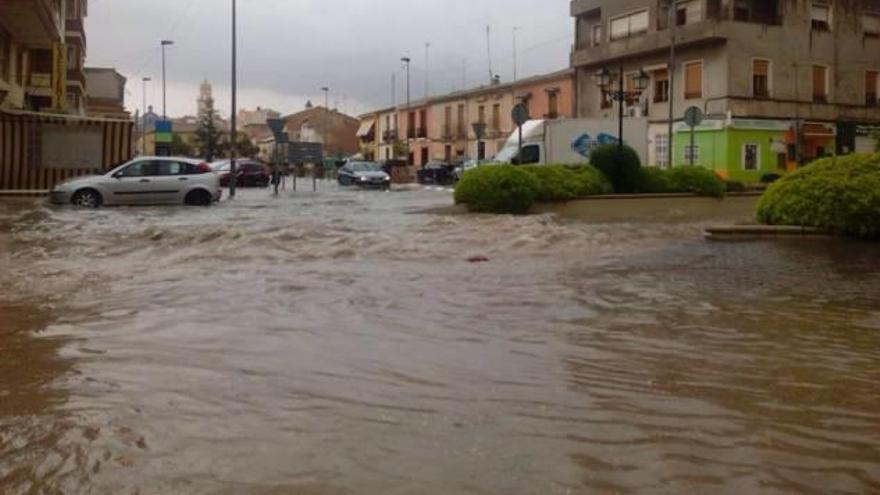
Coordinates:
(288,49)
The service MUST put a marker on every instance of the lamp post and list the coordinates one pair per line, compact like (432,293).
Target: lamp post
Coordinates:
(164,43)
(144,80)
(233,149)
(326,90)
(406,61)
(603,80)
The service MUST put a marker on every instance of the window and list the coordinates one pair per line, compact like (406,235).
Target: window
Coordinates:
(691,154)
(820,84)
(661,86)
(461,129)
(693,80)
(820,15)
(447,121)
(553,104)
(605,101)
(530,154)
(742,11)
(751,157)
(496,116)
(761,78)
(661,150)
(872,87)
(688,12)
(629,25)
(871,25)
(140,169)
(481,114)
(596,34)
(5,50)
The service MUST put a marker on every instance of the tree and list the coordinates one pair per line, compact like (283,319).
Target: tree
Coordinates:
(207,135)
(179,147)
(246,148)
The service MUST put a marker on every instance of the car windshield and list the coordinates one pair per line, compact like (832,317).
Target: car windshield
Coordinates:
(365,167)
(220,166)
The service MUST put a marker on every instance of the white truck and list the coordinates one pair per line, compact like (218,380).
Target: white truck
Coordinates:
(571,141)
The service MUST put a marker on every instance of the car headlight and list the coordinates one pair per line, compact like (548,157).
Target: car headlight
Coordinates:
(363,179)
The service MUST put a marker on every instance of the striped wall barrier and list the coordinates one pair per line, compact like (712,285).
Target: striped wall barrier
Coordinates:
(22,166)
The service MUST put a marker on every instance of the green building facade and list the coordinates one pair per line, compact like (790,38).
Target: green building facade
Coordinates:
(737,149)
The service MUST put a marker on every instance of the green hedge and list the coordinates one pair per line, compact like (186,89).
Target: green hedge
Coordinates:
(497,189)
(696,180)
(621,165)
(841,194)
(564,183)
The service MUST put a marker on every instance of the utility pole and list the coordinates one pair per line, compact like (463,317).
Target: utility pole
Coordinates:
(427,69)
(670,153)
(515,29)
(489,53)
(144,117)
(233,169)
(406,61)
(164,43)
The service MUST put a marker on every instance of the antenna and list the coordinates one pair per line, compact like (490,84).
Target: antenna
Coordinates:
(427,69)
(489,52)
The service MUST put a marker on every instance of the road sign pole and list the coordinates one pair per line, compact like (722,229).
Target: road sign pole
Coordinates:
(692,147)
(519,148)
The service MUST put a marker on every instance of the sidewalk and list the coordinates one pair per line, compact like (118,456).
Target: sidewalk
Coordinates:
(24,192)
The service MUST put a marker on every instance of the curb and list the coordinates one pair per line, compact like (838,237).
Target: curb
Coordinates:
(24,192)
(735,232)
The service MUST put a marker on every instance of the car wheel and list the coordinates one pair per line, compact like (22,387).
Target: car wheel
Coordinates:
(87,198)
(198,198)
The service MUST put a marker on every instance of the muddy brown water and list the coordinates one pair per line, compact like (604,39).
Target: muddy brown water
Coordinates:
(340,343)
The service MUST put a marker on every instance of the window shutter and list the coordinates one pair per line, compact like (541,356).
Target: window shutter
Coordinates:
(694,80)
(819,88)
(661,75)
(761,68)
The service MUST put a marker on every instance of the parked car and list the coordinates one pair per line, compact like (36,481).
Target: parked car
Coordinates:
(142,181)
(435,172)
(251,173)
(459,171)
(364,174)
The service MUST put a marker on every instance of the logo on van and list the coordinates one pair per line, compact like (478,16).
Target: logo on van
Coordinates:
(585,144)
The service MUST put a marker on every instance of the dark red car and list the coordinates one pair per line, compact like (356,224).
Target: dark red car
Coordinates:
(251,173)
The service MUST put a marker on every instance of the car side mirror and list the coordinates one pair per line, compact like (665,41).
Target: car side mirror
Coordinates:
(116,175)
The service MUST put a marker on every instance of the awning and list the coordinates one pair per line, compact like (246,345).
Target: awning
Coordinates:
(366,128)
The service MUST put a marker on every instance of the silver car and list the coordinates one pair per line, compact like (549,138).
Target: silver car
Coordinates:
(147,180)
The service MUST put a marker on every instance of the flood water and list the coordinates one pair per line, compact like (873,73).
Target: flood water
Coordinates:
(341,343)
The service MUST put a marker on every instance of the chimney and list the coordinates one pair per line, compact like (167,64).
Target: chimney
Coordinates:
(496,81)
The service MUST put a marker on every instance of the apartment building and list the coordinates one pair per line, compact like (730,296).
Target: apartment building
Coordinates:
(45,135)
(782,81)
(441,127)
(106,93)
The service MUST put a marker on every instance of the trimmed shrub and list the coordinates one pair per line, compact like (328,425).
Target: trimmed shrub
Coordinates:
(588,181)
(554,182)
(733,186)
(653,180)
(497,189)
(697,180)
(620,165)
(841,194)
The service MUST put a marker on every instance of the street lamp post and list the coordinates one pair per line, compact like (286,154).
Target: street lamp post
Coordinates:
(406,61)
(326,90)
(145,80)
(233,149)
(164,43)
(620,95)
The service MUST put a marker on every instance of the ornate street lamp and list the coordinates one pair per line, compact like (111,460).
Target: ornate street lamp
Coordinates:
(603,79)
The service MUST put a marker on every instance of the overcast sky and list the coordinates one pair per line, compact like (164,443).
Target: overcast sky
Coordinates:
(288,49)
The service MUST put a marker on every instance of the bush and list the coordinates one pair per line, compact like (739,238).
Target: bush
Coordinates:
(733,186)
(620,165)
(842,195)
(770,178)
(653,180)
(588,181)
(555,182)
(697,180)
(497,189)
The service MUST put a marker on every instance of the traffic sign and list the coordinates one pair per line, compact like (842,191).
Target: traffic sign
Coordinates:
(693,116)
(305,153)
(520,114)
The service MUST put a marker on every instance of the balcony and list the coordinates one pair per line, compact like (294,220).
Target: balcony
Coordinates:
(422,132)
(447,133)
(652,43)
(32,22)
(76,79)
(581,7)
(389,136)
(411,133)
(76,32)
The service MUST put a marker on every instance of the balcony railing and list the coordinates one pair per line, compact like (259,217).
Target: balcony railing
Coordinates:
(389,136)
(447,133)
(411,133)
(41,80)
(422,132)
